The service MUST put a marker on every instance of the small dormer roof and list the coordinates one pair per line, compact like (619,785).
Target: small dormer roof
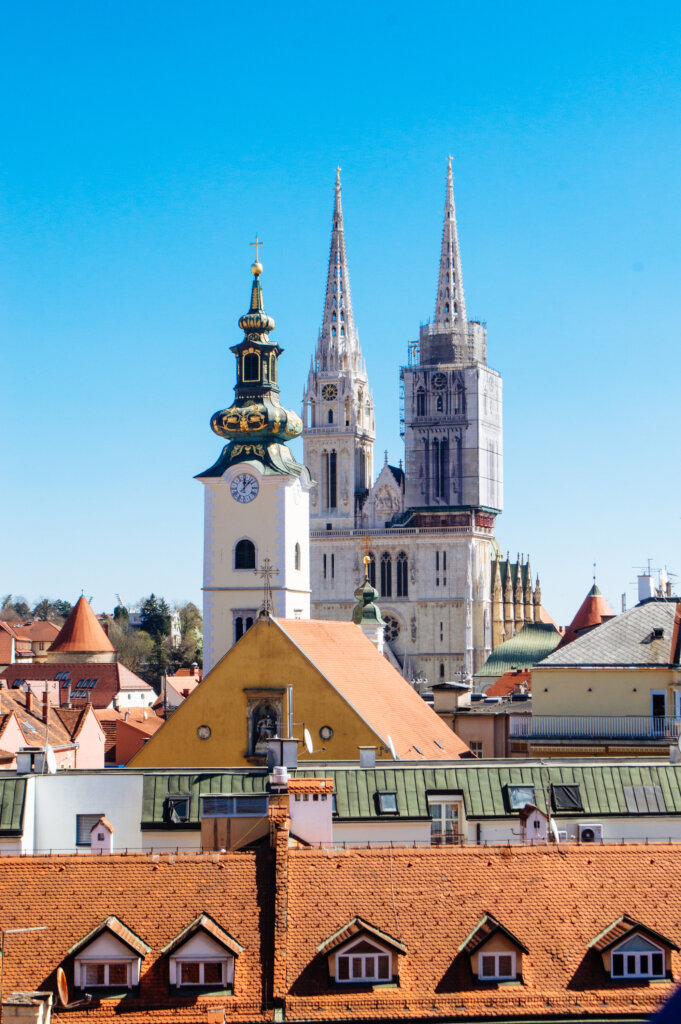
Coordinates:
(621,929)
(529,809)
(486,927)
(358,926)
(120,931)
(206,924)
(103,823)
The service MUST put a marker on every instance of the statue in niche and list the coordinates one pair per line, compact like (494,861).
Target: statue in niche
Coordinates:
(264,720)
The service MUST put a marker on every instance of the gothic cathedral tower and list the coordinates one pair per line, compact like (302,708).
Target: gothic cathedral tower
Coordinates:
(256,498)
(452,400)
(338,408)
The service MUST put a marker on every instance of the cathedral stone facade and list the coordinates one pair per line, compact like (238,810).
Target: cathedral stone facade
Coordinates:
(446,594)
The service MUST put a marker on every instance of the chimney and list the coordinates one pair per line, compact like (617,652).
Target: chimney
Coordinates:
(185,693)
(367,757)
(646,588)
(68,695)
(29,700)
(45,704)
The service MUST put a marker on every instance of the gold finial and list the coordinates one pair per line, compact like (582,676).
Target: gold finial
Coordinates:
(256,268)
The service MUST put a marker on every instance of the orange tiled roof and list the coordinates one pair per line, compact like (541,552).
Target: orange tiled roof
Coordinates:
(310,785)
(30,723)
(111,677)
(484,930)
(38,631)
(507,683)
(82,632)
(386,701)
(593,610)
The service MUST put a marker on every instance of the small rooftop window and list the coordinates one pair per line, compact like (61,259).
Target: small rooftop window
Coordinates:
(176,808)
(387,803)
(566,798)
(518,796)
(251,806)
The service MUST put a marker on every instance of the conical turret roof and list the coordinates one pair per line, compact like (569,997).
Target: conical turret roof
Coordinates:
(82,633)
(593,611)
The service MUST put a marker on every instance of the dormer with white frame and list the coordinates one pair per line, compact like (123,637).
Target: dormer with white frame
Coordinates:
(109,957)
(631,951)
(201,958)
(496,955)
(360,954)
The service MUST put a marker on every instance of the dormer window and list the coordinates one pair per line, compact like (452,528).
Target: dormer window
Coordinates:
(387,803)
(495,953)
(637,958)
(496,966)
(363,961)
(631,950)
(202,956)
(360,954)
(108,957)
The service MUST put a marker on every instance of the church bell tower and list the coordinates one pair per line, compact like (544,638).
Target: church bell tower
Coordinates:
(256,523)
(338,408)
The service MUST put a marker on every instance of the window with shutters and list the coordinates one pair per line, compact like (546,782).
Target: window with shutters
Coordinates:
(84,826)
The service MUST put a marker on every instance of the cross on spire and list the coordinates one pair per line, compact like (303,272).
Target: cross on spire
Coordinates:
(256,244)
(266,572)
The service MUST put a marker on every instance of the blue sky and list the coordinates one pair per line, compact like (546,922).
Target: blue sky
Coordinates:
(145,143)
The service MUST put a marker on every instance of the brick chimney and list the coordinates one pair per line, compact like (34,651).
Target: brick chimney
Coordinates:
(45,704)
(29,701)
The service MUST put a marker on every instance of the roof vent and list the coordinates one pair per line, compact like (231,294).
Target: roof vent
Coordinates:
(658,632)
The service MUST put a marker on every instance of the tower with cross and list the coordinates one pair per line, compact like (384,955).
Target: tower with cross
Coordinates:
(256,496)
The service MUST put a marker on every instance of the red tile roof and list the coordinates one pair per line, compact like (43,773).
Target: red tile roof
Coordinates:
(38,631)
(593,611)
(555,901)
(31,723)
(153,898)
(370,684)
(111,677)
(82,632)
(507,683)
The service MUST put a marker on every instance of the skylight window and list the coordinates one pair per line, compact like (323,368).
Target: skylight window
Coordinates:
(566,798)
(518,796)
(387,803)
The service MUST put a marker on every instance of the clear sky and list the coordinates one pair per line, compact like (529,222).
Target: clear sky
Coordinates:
(143,145)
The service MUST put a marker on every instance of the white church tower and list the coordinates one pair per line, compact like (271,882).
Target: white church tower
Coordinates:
(338,408)
(256,526)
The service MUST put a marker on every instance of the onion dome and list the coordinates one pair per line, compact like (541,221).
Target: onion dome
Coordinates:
(256,425)
(366,610)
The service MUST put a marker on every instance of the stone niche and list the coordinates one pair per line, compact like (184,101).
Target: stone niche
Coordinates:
(265,709)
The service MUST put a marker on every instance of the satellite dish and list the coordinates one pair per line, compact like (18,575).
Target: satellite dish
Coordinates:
(50,760)
(308,741)
(62,987)
(392,747)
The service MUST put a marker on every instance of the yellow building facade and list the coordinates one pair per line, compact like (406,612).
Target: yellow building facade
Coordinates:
(287,676)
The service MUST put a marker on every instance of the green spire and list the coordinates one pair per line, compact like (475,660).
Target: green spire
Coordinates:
(366,610)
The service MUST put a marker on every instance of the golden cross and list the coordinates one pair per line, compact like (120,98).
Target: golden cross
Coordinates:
(256,244)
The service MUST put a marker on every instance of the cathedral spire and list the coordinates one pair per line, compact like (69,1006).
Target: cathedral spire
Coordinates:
(450,306)
(338,337)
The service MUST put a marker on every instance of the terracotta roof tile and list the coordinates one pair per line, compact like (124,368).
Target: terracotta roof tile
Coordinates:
(386,701)
(310,785)
(507,683)
(593,611)
(82,632)
(110,678)
(38,631)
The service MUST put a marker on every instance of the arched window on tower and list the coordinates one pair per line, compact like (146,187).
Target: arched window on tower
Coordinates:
(436,467)
(342,332)
(330,416)
(386,575)
(458,399)
(244,555)
(329,488)
(333,332)
(420,402)
(442,670)
(402,574)
(444,468)
(371,568)
(251,367)
(296,557)
(342,316)
(439,404)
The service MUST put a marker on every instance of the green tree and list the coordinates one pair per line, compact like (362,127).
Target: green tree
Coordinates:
(134,647)
(61,609)
(159,661)
(42,609)
(155,615)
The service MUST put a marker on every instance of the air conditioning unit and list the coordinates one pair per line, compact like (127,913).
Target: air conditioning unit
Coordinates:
(591,833)
(562,835)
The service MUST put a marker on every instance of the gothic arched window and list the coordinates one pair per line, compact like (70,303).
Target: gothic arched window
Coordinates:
(436,468)
(402,580)
(329,486)
(420,402)
(386,575)
(442,670)
(333,332)
(330,416)
(371,569)
(342,332)
(439,404)
(244,555)
(296,558)
(251,367)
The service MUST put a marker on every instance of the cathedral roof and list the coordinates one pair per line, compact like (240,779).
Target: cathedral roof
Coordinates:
(593,611)
(377,692)
(82,633)
(530,645)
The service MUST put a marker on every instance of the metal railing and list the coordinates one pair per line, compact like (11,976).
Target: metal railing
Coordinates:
(578,727)
(485,531)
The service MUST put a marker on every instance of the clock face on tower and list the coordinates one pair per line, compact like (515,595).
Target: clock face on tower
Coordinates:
(244,488)
(329,392)
(439,381)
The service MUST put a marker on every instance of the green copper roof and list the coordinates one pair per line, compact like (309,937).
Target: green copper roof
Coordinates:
(531,644)
(12,796)
(604,789)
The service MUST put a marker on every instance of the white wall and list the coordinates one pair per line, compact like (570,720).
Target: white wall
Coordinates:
(381,832)
(59,798)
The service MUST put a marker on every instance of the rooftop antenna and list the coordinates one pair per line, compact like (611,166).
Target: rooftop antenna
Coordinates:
(266,572)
